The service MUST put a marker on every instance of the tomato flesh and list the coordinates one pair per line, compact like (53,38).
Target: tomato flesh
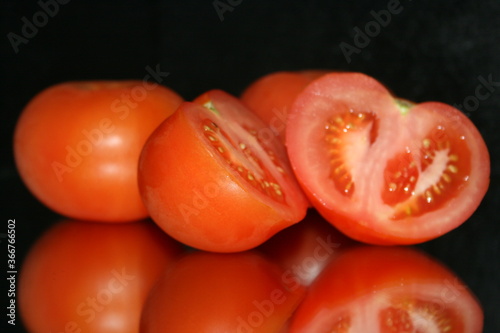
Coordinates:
(381,169)
(242,159)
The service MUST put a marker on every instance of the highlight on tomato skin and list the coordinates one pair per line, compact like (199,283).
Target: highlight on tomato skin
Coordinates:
(387,289)
(381,169)
(92,277)
(221,292)
(77,145)
(211,179)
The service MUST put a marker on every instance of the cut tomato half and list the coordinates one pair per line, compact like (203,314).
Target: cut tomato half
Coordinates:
(381,169)
(387,289)
(212,179)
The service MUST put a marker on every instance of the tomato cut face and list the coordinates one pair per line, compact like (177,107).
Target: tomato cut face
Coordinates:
(387,289)
(245,153)
(381,169)
(215,178)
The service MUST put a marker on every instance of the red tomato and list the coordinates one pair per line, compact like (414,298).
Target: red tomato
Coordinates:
(384,170)
(77,146)
(92,277)
(212,181)
(305,248)
(272,95)
(215,292)
(387,289)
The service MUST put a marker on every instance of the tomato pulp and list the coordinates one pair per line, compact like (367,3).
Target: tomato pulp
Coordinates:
(212,177)
(381,169)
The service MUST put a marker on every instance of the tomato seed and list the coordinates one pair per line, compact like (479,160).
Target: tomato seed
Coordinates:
(446,177)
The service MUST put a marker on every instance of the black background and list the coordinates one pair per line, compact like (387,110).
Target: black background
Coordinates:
(431,50)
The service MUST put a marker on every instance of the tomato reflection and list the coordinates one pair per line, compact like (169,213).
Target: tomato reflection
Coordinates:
(305,248)
(212,292)
(387,289)
(92,277)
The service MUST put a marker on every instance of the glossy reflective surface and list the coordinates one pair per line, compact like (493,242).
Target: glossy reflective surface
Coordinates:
(310,278)
(444,51)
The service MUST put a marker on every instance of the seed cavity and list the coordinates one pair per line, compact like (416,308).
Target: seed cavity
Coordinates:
(260,178)
(428,196)
(337,130)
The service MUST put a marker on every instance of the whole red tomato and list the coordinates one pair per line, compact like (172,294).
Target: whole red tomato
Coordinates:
(77,145)
(219,292)
(92,277)
(387,289)
(272,95)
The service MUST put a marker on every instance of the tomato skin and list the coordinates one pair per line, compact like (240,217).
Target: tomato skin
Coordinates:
(77,145)
(194,197)
(394,135)
(272,95)
(363,283)
(92,277)
(214,292)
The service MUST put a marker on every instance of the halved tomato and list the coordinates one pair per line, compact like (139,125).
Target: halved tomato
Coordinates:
(381,169)
(272,95)
(387,289)
(211,180)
